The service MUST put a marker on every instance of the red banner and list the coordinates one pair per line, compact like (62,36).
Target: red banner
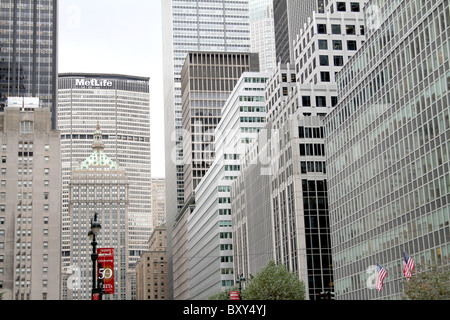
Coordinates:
(105,269)
(234,295)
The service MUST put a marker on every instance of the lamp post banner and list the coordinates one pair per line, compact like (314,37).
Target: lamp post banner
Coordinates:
(105,269)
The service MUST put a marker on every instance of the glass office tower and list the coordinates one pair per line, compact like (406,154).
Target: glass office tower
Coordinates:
(28,52)
(388,149)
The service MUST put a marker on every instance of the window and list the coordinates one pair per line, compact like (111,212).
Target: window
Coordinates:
(321,28)
(321,101)
(323,45)
(362,31)
(323,60)
(336,29)
(338,61)
(26,127)
(351,44)
(334,101)
(325,76)
(340,6)
(337,44)
(354,6)
(350,29)
(306,101)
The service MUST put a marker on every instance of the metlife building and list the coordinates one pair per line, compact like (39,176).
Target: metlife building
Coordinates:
(121,105)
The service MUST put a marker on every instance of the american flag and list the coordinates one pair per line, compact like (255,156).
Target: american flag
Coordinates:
(408,265)
(381,274)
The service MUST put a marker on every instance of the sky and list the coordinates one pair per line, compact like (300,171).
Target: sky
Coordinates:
(117,36)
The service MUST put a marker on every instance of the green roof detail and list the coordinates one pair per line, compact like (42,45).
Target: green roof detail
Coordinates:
(98,157)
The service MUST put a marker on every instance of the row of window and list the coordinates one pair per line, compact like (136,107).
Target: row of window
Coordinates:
(350,29)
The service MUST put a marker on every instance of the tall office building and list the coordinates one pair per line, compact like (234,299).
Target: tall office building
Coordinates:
(388,149)
(121,104)
(290,153)
(98,187)
(28,42)
(289,18)
(30,205)
(192,25)
(209,225)
(158,202)
(262,33)
(207,79)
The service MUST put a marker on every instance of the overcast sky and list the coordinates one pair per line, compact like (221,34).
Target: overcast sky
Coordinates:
(117,36)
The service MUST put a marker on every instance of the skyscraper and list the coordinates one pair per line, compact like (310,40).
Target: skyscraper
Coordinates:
(192,25)
(209,225)
(290,153)
(158,202)
(262,33)
(208,78)
(28,42)
(30,204)
(289,18)
(388,149)
(98,186)
(121,103)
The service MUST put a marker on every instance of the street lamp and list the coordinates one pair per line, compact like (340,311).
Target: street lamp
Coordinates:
(239,280)
(95,230)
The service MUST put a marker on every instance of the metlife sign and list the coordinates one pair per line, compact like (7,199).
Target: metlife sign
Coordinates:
(96,83)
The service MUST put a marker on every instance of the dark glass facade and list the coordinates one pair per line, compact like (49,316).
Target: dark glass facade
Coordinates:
(28,51)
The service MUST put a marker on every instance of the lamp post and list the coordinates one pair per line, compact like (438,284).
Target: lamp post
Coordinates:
(239,280)
(95,229)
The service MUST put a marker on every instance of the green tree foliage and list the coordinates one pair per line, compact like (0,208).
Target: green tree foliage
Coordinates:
(432,283)
(274,282)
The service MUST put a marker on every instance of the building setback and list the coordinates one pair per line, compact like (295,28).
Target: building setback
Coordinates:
(388,149)
(28,59)
(98,186)
(30,206)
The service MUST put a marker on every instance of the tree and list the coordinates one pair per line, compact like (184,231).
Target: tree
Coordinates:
(432,283)
(274,282)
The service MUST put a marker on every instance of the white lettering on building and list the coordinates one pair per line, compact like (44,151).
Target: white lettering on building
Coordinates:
(93,83)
